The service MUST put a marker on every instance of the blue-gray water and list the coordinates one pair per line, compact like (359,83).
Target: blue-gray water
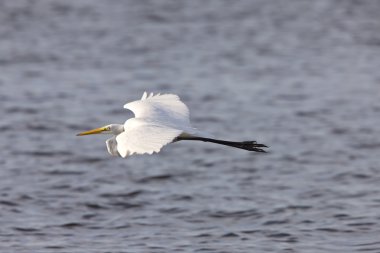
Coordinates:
(300,76)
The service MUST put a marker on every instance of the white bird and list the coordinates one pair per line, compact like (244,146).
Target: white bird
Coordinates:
(159,120)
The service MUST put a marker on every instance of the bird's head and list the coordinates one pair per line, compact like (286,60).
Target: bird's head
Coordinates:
(108,129)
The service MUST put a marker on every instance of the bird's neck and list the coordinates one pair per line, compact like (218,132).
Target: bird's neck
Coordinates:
(117,129)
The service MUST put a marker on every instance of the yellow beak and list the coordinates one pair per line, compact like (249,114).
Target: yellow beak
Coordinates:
(93,131)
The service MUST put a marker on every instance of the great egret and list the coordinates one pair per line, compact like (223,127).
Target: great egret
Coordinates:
(159,120)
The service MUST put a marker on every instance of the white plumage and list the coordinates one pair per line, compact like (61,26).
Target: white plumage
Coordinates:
(159,120)
(166,109)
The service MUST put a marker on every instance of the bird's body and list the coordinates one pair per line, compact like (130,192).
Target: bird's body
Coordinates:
(159,120)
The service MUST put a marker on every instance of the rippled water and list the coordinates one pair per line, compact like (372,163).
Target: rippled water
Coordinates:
(300,76)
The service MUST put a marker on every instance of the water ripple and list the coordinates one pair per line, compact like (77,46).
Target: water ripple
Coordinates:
(301,77)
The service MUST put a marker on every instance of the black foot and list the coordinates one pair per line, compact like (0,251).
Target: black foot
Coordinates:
(253,146)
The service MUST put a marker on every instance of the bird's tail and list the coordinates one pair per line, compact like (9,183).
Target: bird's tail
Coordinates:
(246,145)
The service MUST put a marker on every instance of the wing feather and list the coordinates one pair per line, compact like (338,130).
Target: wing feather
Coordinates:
(159,119)
(142,137)
(112,146)
(144,96)
(167,109)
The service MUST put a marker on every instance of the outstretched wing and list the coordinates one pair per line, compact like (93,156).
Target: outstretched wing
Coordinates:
(141,137)
(167,109)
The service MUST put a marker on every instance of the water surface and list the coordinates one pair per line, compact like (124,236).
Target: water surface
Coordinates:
(302,77)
